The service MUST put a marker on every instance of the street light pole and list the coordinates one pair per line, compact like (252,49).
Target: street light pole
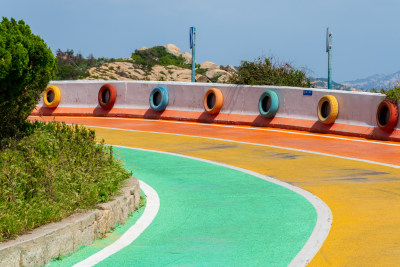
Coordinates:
(329,51)
(192,37)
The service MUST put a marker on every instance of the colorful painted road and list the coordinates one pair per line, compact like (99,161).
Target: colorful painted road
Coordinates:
(358,179)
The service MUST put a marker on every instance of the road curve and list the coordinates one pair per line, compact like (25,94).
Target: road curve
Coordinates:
(358,179)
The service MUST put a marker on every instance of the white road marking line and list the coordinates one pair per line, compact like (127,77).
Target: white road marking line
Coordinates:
(150,212)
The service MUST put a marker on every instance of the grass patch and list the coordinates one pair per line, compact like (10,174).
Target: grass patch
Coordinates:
(52,172)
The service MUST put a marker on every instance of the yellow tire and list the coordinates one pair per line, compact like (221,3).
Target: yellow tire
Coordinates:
(328,109)
(52,96)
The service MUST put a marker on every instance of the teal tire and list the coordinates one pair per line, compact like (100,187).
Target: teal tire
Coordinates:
(159,98)
(268,104)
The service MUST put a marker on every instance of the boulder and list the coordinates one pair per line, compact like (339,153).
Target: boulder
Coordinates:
(224,78)
(173,49)
(209,65)
(228,68)
(142,48)
(188,57)
(201,79)
(210,74)
(182,75)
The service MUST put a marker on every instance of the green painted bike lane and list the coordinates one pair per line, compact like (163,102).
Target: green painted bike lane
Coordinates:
(209,215)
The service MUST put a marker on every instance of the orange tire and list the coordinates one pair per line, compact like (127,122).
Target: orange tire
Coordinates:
(213,101)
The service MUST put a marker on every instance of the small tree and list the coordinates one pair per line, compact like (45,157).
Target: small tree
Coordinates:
(263,72)
(26,67)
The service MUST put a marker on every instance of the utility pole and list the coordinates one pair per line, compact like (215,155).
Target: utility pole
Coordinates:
(192,37)
(328,50)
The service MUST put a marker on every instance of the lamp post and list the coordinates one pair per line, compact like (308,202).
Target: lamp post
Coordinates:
(192,37)
(328,50)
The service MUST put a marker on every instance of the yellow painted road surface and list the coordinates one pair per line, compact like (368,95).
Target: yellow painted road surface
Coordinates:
(364,197)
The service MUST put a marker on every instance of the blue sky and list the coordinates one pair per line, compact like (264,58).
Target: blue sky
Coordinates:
(366,35)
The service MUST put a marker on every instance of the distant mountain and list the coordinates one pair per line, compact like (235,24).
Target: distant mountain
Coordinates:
(323,83)
(377,81)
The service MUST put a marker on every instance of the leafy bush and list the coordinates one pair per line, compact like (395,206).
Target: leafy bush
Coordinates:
(51,173)
(71,66)
(146,59)
(263,72)
(26,67)
(392,94)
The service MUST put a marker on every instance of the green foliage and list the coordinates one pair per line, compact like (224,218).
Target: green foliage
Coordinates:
(215,79)
(52,172)
(201,71)
(73,67)
(263,72)
(392,94)
(146,59)
(26,67)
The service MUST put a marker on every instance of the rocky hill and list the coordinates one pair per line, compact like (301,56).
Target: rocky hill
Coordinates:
(323,83)
(128,69)
(377,81)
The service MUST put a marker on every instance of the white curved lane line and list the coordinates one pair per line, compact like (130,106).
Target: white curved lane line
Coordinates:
(324,214)
(150,212)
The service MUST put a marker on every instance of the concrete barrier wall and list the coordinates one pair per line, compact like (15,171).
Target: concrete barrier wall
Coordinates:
(355,108)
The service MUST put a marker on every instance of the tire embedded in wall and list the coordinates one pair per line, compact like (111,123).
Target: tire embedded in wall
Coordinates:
(107,95)
(52,96)
(387,115)
(159,98)
(268,104)
(328,109)
(213,101)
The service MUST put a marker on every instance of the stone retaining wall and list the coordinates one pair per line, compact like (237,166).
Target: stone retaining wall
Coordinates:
(43,244)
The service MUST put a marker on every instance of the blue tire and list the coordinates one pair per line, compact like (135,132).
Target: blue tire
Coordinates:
(268,104)
(159,98)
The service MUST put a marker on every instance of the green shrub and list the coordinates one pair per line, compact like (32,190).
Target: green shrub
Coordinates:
(26,67)
(71,66)
(215,79)
(201,71)
(51,173)
(263,72)
(392,94)
(146,59)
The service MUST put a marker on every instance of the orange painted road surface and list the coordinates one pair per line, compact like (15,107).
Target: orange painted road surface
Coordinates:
(358,179)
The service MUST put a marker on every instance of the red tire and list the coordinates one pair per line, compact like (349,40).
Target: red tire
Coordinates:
(387,115)
(107,96)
